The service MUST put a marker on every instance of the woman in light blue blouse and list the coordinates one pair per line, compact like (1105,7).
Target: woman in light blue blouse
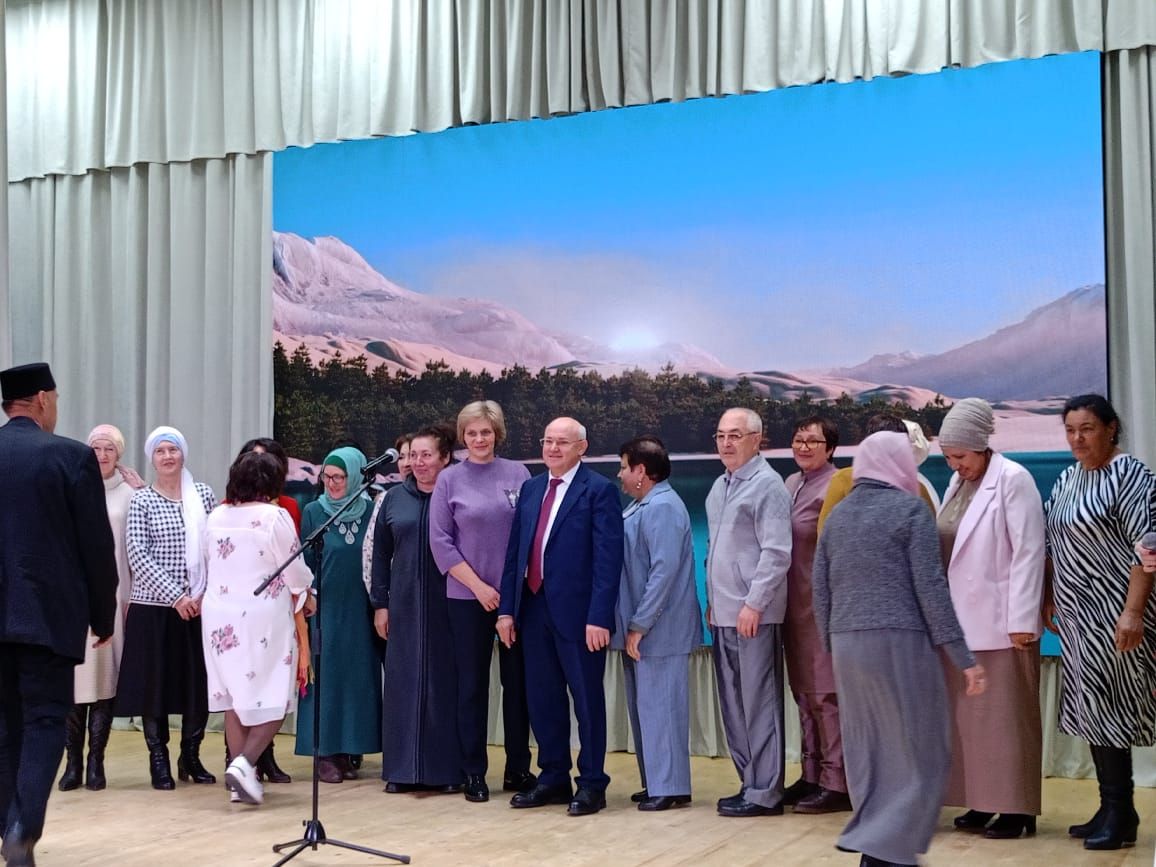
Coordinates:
(658,623)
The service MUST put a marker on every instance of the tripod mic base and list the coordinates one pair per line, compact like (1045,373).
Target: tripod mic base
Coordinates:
(314,836)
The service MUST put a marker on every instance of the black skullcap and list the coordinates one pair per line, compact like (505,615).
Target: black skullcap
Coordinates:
(26,380)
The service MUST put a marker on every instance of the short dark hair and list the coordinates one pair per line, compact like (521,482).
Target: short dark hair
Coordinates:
(830,432)
(442,434)
(885,421)
(271,446)
(404,440)
(255,477)
(1100,407)
(649,451)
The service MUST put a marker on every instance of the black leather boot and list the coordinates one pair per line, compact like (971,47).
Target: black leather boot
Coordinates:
(99,725)
(189,761)
(267,768)
(156,735)
(1086,829)
(73,748)
(1119,821)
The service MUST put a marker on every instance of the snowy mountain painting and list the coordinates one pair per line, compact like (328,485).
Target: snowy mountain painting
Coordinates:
(908,241)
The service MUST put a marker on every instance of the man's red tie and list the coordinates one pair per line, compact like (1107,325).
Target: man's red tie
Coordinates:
(534,572)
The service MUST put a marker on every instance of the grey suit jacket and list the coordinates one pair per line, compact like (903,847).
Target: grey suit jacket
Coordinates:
(658,596)
(750,543)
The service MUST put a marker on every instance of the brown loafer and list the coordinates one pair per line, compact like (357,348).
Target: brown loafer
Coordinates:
(825,801)
(329,771)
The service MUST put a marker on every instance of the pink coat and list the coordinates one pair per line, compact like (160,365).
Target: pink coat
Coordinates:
(996,572)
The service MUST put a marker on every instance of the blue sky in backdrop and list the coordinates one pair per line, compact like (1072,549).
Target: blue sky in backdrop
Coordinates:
(900,214)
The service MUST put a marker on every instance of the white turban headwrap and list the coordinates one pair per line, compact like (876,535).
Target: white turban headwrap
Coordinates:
(191,505)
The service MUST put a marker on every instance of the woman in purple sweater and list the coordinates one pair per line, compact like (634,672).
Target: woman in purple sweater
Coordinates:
(471,511)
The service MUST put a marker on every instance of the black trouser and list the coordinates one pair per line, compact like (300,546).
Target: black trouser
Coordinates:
(35,697)
(472,631)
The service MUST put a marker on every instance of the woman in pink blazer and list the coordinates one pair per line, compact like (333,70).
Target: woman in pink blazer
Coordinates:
(991,528)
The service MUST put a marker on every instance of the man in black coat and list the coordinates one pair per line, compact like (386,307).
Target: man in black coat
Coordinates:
(57,578)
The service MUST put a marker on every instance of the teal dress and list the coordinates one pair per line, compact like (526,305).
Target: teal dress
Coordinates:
(350,665)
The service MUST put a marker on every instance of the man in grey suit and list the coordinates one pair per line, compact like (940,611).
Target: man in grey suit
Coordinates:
(748,514)
(659,623)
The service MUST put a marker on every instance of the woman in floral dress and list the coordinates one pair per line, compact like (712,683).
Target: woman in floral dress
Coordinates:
(250,642)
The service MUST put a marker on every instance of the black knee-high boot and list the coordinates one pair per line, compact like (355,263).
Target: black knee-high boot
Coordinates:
(189,761)
(156,735)
(99,725)
(1119,821)
(73,748)
(1086,829)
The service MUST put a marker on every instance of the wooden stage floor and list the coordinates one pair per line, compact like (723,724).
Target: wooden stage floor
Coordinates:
(130,824)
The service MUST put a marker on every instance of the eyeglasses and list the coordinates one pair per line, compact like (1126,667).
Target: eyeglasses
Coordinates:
(731,437)
(550,443)
(807,444)
(333,478)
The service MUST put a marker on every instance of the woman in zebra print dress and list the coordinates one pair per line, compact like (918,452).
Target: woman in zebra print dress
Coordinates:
(1098,510)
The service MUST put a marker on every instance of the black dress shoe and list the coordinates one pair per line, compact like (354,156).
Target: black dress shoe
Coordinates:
(586,802)
(973,821)
(639,797)
(824,801)
(732,800)
(541,796)
(662,802)
(475,789)
(448,788)
(518,781)
(401,788)
(799,790)
(1010,826)
(745,808)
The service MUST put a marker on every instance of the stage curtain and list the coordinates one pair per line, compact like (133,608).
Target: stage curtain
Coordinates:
(1130,200)
(144,287)
(5,321)
(103,83)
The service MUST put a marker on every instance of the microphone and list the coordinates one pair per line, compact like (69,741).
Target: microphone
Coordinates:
(389,456)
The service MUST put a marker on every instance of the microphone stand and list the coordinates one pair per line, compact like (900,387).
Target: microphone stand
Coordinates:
(314,834)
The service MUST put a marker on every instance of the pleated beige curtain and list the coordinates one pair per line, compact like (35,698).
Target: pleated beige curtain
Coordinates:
(143,287)
(102,83)
(1130,182)
(5,318)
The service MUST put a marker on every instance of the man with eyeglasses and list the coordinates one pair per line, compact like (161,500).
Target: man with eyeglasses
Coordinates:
(559,590)
(748,515)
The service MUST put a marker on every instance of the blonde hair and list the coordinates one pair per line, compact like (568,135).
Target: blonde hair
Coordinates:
(483,410)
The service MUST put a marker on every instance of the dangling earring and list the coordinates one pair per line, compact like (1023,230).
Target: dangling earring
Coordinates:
(638,485)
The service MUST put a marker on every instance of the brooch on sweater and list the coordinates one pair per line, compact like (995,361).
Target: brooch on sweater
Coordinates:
(512,497)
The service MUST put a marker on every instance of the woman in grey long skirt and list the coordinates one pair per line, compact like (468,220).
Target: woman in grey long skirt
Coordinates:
(883,610)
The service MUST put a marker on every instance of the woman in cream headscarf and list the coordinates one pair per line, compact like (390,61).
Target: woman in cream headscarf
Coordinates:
(350,666)
(164,667)
(95,678)
(991,533)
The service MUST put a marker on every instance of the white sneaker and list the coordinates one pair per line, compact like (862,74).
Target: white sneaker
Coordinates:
(242,779)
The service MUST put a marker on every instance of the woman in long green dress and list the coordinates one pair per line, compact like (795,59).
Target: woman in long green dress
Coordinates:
(350,668)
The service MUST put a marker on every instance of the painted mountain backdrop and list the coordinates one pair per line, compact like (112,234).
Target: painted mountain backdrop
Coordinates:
(328,298)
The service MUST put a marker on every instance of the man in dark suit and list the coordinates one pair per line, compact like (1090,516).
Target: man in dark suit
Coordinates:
(57,578)
(559,589)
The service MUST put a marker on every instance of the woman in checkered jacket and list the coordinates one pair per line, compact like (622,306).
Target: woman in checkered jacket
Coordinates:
(163,668)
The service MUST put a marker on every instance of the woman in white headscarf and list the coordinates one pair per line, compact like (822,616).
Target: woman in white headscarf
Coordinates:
(95,678)
(163,670)
(883,610)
